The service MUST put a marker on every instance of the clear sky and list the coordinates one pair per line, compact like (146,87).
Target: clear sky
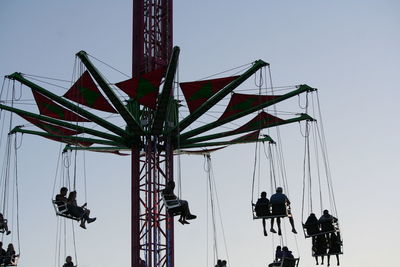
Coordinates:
(349,50)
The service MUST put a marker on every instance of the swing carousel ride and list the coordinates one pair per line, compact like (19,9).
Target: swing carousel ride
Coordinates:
(163,118)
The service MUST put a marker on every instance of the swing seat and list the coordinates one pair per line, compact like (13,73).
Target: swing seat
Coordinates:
(172,204)
(274,213)
(327,254)
(14,262)
(61,209)
(2,230)
(286,262)
(334,227)
(289,262)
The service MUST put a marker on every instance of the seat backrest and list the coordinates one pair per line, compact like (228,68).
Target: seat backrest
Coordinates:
(61,206)
(288,262)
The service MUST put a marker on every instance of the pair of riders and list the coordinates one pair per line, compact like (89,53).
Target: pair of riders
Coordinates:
(80,212)
(275,206)
(183,210)
(7,257)
(325,224)
(325,240)
(282,253)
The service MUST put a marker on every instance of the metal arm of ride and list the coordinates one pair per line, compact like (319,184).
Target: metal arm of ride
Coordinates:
(265,139)
(68,125)
(97,148)
(119,106)
(218,96)
(65,138)
(224,134)
(302,88)
(90,116)
(165,97)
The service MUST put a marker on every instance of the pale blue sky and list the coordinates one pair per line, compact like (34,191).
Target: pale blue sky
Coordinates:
(349,50)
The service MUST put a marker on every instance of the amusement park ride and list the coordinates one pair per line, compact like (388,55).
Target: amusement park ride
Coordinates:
(153,131)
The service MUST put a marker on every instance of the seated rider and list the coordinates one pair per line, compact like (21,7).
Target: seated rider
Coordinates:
(287,253)
(278,257)
(168,194)
(61,199)
(327,222)
(10,257)
(78,211)
(68,262)
(2,253)
(278,202)
(312,225)
(3,224)
(262,209)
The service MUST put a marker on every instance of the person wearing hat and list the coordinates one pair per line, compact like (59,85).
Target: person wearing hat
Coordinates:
(279,202)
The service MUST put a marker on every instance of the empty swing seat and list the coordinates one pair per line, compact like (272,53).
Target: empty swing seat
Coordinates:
(61,209)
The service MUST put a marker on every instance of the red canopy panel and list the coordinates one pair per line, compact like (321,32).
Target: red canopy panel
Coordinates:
(262,120)
(50,128)
(85,92)
(49,108)
(144,88)
(251,137)
(243,102)
(196,93)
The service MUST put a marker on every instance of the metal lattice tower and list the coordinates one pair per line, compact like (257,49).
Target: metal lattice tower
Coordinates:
(152,229)
(151,133)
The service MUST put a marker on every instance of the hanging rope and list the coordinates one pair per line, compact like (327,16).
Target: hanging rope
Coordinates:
(280,157)
(254,173)
(323,143)
(17,193)
(214,201)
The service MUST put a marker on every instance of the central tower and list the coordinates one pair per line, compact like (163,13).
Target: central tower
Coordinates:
(152,161)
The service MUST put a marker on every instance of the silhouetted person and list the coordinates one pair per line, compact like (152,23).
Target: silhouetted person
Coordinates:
(287,253)
(3,224)
(288,258)
(10,257)
(223,263)
(278,202)
(335,245)
(326,221)
(262,209)
(78,211)
(61,200)
(312,225)
(168,193)
(68,262)
(2,253)
(278,257)
(320,247)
